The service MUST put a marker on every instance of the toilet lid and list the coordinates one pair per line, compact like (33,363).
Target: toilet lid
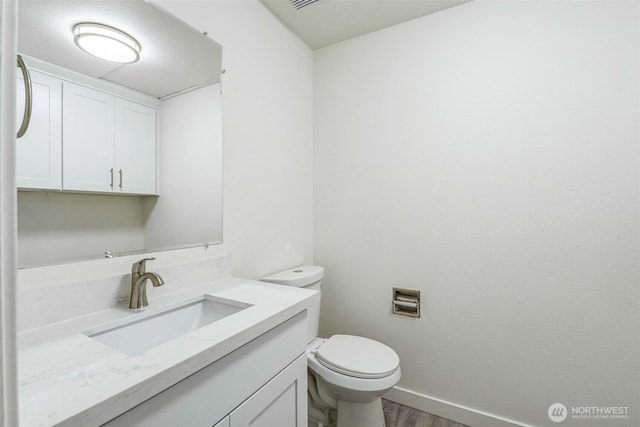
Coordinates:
(357,357)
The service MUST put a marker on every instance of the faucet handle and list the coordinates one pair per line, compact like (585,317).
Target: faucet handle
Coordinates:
(141,266)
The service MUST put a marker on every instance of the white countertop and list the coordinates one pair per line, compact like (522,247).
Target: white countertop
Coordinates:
(67,378)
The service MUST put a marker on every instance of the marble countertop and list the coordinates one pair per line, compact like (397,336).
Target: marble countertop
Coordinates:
(69,379)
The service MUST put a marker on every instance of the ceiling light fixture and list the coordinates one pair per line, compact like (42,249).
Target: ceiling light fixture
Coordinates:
(106,42)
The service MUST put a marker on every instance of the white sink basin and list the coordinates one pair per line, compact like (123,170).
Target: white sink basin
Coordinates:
(137,333)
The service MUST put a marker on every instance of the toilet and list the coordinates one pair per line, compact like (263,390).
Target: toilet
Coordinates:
(347,374)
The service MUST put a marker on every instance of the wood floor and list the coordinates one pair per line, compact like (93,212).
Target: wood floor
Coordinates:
(396,415)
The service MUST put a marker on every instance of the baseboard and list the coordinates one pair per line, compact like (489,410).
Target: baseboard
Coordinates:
(448,410)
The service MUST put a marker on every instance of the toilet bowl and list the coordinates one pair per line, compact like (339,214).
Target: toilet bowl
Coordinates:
(347,374)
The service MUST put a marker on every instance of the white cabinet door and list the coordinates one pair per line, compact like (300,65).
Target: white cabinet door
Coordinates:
(39,151)
(135,145)
(223,423)
(281,402)
(88,131)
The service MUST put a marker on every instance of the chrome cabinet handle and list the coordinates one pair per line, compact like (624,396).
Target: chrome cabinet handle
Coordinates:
(111,183)
(120,172)
(28,98)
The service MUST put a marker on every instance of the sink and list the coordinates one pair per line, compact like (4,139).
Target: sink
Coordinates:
(138,333)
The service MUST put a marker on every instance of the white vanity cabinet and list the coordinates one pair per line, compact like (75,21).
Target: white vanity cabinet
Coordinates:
(277,402)
(261,384)
(39,150)
(109,143)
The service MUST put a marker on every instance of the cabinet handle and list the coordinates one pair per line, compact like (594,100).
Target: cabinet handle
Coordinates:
(120,172)
(111,172)
(28,98)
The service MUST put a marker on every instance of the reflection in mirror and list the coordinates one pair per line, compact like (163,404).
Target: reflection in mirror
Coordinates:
(178,71)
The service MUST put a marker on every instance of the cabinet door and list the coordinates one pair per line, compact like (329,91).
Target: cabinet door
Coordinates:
(281,402)
(135,136)
(39,151)
(88,130)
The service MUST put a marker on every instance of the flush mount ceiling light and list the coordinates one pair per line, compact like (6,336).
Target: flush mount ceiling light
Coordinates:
(106,43)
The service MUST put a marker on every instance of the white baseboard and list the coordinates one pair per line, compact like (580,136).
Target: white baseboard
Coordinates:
(448,410)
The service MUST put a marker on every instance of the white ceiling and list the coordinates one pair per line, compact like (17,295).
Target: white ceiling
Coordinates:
(174,57)
(325,22)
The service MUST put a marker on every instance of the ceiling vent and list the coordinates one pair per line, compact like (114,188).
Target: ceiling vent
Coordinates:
(299,4)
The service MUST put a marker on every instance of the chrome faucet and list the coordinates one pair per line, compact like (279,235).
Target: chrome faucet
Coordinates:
(139,277)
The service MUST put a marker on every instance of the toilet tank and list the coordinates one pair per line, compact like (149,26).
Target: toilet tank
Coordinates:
(308,277)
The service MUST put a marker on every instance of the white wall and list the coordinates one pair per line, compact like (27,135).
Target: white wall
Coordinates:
(488,156)
(189,209)
(61,226)
(268,134)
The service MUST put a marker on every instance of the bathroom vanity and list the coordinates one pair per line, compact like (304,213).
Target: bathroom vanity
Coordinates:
(173,364)
(262,383)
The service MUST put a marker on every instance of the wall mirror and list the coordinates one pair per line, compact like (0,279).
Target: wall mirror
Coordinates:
(179,66)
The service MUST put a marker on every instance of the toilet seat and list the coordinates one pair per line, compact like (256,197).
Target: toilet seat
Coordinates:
(349,381)
(357,357)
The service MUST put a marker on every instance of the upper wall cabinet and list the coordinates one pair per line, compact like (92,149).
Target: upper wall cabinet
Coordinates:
(39,151)
(135,143)
(88,150)
(109,143)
